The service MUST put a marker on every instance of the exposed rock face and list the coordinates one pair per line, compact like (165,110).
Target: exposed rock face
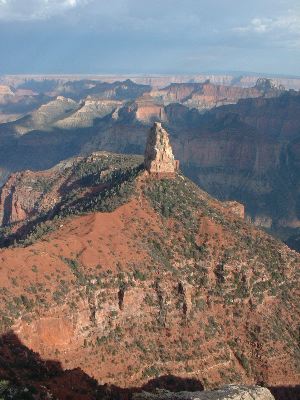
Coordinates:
(159,158)
(50,112)
(205,96)
(47,114)
(25,194)
(236,208)
(148,111)
(230,392)
(90,110)
(28,194)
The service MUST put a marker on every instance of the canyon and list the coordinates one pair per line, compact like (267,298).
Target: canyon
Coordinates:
(124,276)
(205,96)
(236,148)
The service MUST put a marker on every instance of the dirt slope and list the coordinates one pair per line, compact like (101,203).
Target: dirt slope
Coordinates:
(138,278)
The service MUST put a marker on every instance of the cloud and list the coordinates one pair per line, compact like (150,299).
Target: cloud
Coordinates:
(288,23)
(278,31)
(142,36)
(20,10)
(256,25)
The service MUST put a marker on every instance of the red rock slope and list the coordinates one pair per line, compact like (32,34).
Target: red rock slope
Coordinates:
(137,278)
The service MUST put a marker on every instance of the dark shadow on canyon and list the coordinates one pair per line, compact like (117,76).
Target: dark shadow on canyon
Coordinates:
(27,375)
(23,368)
(286,392)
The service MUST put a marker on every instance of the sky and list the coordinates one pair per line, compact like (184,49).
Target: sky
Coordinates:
(149,36)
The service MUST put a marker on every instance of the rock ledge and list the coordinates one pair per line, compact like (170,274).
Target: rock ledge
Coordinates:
(230,392)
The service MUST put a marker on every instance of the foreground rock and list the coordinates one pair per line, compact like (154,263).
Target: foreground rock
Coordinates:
(230,392)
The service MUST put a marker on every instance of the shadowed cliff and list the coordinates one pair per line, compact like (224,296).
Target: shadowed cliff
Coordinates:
(24,375)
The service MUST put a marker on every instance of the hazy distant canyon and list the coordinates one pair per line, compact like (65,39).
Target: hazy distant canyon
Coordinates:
(238,138)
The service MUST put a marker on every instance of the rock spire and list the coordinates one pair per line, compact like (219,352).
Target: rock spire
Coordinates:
(159,158)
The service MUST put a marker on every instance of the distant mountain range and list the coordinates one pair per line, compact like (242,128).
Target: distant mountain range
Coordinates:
(243,79)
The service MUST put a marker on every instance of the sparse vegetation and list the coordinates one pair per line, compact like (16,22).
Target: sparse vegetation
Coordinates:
(183,290)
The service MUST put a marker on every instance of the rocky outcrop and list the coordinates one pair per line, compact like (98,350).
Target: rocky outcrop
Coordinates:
(145,109)
(159,158)
(230,392)
(235,208)
(149,111)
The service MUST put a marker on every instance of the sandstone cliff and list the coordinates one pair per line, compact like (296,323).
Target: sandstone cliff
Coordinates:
(159,158)
(205,96)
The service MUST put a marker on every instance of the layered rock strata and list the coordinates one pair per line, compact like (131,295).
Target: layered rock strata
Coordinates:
(159,158)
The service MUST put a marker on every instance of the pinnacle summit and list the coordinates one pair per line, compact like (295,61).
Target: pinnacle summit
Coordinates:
(159,158)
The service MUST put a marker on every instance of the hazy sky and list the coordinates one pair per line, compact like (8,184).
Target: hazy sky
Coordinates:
(149,36)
